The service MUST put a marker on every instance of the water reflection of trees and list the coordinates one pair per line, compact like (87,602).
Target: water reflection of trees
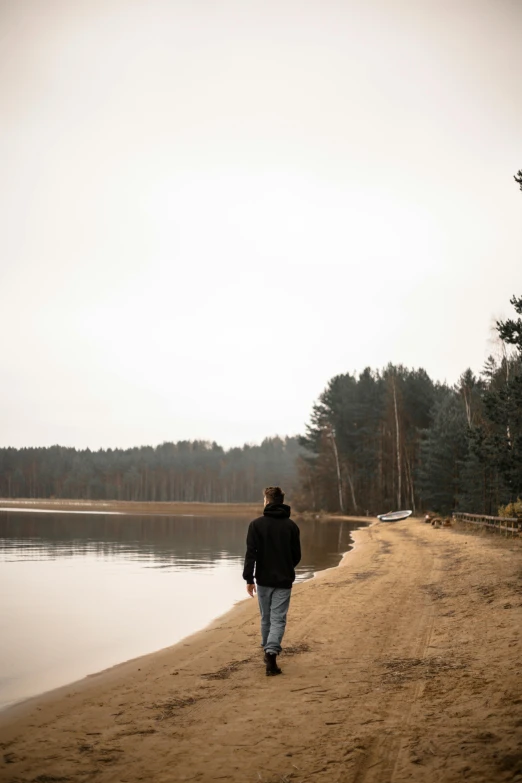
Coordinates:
(177,541)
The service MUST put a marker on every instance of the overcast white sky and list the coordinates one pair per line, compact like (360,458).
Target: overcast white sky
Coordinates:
(210,207)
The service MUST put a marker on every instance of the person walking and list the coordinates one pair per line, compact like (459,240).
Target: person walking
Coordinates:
(273,551)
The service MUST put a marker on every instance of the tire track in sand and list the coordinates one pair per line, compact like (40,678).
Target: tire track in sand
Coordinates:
(413,629)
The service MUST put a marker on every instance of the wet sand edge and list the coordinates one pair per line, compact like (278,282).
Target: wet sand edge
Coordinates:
(240,612)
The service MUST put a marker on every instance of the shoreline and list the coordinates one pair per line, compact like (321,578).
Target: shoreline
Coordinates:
(158,508)
(399,664)
(130,507)
(18,706)
(24,706)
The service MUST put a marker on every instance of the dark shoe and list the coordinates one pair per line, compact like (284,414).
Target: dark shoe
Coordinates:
(271,665)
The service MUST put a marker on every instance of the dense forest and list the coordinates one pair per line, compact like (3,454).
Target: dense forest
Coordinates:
(184,471)
(396,439)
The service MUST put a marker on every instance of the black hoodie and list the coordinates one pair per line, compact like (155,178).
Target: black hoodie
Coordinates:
(273,547)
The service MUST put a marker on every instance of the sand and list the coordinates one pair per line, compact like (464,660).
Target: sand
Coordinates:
(402,664)
(132,507)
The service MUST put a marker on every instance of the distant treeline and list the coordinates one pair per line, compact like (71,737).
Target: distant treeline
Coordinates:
(194,471)
(395,438)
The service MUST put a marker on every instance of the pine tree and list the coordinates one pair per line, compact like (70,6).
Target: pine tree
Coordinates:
(502,444)
(444,449)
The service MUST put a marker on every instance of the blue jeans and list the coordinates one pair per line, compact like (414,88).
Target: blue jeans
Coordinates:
(273,605)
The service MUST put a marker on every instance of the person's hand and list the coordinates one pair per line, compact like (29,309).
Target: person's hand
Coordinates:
(251,589)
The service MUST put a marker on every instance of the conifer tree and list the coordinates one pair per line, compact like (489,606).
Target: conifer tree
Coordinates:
(444,449)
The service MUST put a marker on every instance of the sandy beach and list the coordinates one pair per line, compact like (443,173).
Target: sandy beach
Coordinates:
(130,507)
(402,664)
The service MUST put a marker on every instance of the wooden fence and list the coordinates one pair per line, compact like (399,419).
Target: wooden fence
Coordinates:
(502,524)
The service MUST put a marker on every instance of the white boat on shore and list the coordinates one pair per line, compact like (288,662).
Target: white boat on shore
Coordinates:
(394,516)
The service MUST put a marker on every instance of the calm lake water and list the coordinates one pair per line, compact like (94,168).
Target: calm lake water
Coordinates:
(81,592)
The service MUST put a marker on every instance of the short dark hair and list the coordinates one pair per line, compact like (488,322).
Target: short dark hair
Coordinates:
(274,494)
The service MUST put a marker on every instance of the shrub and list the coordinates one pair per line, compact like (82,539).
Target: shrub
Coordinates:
(512,510)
